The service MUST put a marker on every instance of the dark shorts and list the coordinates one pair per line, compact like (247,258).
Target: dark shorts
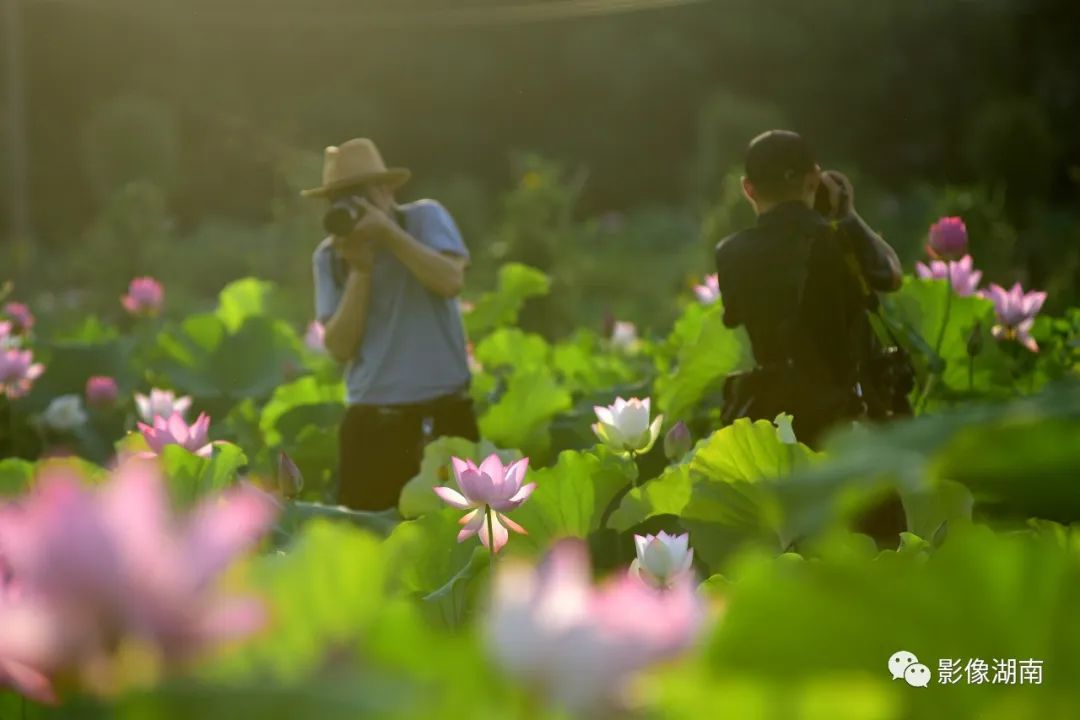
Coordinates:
(381,447)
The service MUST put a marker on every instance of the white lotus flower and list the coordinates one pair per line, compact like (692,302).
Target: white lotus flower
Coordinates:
(65,413)
(161,403)
(662,559)
(625,426)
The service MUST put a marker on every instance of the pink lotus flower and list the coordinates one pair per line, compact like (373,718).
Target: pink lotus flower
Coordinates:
(488,491)
(965,280)
(708,293)
(579,645)
(101,391)
(18,372)
(948,239)
(161,403)
(111,569)
(21,317)
(13,673)
(145,297)
(194,438)
(315,337)
(1016,311)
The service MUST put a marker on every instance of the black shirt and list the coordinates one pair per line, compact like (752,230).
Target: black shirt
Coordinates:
(788,282)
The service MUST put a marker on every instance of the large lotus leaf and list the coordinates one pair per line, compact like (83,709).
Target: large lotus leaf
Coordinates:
(315,451)
(704,360)
(572,497)
(1018,466)
(322,595)
(981,596)
(522,416)
(201,358)
(426,557)
(1017,459)
(517,283)
(746,451)
(242,299)
(667,494)
(583,367)
(319,396)
(731,501)
(418,497)
(298,514)
(512,348)
(743,452)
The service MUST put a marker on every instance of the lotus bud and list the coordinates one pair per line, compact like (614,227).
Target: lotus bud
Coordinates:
(678,441)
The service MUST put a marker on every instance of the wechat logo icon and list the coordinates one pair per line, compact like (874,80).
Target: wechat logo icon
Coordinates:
(903,665)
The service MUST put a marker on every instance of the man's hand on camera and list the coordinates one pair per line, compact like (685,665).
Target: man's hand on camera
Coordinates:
(375,225)
(841,193)
(357,249)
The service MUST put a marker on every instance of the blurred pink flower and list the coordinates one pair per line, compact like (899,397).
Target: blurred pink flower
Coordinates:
(194,438)
(965,280)
(161,403)
(315,337)
(491,489)
(145,297)
(7,340)
(113,568)
(18,372)
(708,293)
(551,629)
(21,317)
(624,336)
(948,239)
(1016,311)
(101,391)
(14,673)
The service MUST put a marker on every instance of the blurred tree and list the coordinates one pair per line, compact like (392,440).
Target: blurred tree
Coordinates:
(131,139)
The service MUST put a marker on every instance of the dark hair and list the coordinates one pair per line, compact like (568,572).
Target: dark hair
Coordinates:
(776,163)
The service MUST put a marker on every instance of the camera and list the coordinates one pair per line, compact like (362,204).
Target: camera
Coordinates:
(344,214)
(823,200)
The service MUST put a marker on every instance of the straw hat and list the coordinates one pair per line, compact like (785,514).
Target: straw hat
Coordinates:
(353,163)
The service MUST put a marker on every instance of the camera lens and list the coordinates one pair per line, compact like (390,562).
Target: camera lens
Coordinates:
(339,220)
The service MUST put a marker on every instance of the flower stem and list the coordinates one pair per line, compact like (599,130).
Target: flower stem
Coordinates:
(491,536)
(971,373)
(932,379)
(945,318)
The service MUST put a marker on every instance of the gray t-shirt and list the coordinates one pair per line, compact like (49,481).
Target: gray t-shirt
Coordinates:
(413,349)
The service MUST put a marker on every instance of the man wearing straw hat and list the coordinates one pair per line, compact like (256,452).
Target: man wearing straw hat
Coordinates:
(385,293)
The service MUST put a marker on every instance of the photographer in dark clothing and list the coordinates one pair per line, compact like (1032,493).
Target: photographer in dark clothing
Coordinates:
(802,282)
